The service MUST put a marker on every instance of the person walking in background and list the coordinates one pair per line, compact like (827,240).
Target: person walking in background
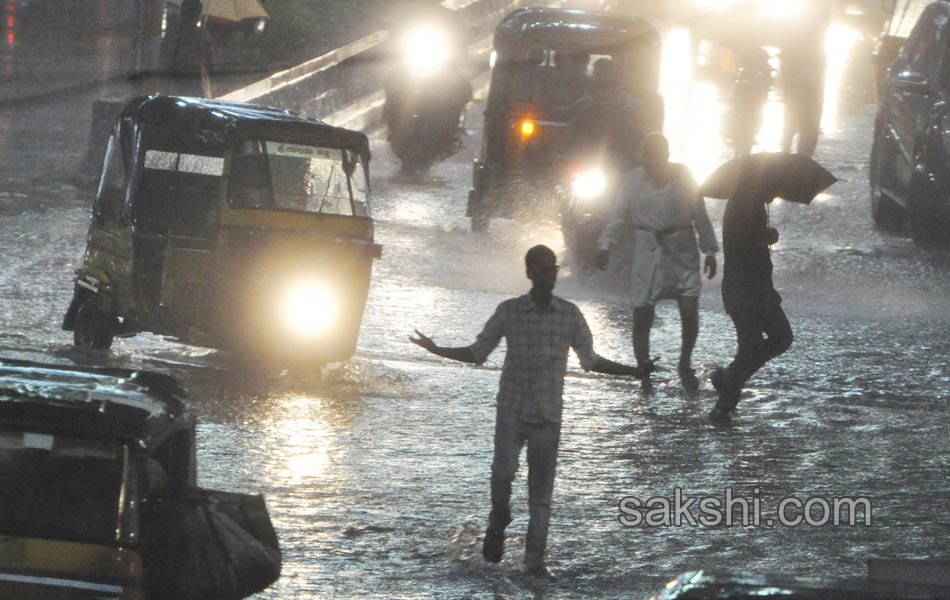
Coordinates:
(802,65)
(803,80)
(539,329)
(661,201)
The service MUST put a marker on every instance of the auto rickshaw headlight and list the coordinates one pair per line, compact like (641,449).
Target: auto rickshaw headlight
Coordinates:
(590,184)
(527,128)
(426,48)
(309,308)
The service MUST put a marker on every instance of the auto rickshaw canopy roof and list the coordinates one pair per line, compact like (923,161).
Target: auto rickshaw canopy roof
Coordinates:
(526,27)
(91,402)
(203,125)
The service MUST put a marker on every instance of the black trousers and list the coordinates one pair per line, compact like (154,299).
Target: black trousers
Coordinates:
(762,332)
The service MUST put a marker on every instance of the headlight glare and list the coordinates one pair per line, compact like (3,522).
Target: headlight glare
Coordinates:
(590,184)
(309,308)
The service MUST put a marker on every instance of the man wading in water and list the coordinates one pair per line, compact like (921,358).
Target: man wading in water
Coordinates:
(662,202)
(539,329)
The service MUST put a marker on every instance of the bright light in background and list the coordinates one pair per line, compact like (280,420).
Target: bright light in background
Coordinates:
(426,48)
(309,308)
(590,184)
(839,44)
(693,108)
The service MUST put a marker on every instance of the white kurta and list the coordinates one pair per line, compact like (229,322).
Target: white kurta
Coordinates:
(665,222)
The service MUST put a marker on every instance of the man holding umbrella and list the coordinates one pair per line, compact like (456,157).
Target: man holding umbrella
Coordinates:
(748,292)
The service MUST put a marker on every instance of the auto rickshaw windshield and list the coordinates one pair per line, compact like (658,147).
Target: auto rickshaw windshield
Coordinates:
(284,176)
(60,488)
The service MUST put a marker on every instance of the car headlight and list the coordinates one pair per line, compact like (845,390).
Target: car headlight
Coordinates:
(309,308)
(590,184)
(426,48)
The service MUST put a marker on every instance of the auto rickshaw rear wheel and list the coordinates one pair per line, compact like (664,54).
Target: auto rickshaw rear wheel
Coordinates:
(94,329)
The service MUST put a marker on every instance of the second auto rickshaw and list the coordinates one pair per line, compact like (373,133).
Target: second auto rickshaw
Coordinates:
(569,88)
(231,226)
(100,498)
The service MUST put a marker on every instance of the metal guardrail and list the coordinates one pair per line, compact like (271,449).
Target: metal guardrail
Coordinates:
(344,86)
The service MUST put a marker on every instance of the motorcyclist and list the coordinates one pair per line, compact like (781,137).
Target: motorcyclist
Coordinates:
(429,83)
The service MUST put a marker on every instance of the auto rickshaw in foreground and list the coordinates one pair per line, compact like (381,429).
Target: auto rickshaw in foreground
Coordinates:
(228,225)
(571,94)
(99,496)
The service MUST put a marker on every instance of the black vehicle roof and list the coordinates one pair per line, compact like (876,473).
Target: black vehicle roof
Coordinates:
(198,124)
(91,402)
(526,26)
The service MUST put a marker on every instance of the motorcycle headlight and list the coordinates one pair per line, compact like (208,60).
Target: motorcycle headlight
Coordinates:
(309,308)
(590,184)
(426,48)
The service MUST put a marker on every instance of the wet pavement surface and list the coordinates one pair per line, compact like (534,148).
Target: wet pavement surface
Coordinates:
(376,471)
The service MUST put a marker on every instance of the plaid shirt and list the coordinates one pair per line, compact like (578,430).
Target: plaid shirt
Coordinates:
(532,380)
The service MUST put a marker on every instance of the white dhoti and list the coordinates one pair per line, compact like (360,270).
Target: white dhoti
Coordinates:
(665,222)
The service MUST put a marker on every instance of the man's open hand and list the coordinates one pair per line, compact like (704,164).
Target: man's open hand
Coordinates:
(422,340)
(709,267)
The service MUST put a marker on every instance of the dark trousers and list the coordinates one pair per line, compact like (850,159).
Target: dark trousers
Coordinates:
(762,332)
(511,434)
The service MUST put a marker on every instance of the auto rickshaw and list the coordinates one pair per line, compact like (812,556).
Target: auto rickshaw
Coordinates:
(541,85)
(99,496)
(231,226)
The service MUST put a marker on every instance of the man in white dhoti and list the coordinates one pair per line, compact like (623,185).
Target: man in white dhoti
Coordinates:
(661,201)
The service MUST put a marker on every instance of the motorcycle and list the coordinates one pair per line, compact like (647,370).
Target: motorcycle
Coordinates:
(750,92)
(587,200)
(426,94)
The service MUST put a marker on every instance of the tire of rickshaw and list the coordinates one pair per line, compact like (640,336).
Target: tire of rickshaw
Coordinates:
(94,329)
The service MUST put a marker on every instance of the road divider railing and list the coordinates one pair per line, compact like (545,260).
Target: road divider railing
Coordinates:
(345,86)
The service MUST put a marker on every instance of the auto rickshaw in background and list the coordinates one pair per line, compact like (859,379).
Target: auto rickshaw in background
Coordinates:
(571,91)
(99,496)
(231,226)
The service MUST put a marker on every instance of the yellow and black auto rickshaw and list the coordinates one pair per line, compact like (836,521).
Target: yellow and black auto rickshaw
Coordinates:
(231,226)
(548,101)
(99,496)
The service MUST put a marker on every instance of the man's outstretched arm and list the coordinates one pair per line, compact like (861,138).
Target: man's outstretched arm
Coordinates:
(609,367)
(461,354)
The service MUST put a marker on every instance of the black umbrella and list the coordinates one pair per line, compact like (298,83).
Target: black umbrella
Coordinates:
(767,175)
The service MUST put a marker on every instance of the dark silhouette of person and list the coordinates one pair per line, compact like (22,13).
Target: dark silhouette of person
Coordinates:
(802,63)
(748,295)
(539,329)
(607,122)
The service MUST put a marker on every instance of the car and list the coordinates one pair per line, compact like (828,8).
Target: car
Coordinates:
(910,153)
(98,494)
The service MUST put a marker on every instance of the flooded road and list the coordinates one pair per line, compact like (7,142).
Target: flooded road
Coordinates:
(376,471)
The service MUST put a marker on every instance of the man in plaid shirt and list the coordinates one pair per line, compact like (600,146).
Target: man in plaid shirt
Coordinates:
(539,329)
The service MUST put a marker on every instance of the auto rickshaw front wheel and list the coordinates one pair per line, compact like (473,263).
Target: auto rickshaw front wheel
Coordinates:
(94,329)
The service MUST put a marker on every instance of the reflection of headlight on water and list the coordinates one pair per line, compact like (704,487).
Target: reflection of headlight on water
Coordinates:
(590,184)
(309,309)
(425,48)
